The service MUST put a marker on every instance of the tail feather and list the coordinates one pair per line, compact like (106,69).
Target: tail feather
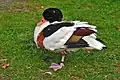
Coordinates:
(95,43)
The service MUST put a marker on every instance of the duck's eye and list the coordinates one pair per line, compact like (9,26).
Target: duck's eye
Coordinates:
(49,29)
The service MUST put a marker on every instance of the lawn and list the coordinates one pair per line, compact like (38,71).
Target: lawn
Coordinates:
(26,62)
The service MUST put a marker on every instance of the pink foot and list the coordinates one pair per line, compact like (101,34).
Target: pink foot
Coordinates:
(56,67)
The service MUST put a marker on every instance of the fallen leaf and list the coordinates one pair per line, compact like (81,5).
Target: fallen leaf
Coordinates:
(4,66)
(76,78)
(118,28)
(49,73)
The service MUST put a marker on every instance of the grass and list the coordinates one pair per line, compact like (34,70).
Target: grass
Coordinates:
(29,63)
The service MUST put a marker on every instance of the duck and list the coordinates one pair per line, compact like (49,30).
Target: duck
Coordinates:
(51,33)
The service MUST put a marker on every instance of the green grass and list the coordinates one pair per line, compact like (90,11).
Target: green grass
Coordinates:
(29,63)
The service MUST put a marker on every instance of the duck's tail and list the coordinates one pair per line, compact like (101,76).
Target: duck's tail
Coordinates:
(87,41)
(94,42)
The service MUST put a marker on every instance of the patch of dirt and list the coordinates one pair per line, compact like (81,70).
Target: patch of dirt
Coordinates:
(5,4)
(3,59)
(4,78)
(118,67)
(25,7)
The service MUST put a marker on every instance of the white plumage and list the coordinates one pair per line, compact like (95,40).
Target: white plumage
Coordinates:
(60,37)
(93,42)
(38,30)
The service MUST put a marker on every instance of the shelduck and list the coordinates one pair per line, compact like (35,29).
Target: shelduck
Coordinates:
(53,34)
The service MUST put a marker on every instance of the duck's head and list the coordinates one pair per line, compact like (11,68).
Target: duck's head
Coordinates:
(51,15)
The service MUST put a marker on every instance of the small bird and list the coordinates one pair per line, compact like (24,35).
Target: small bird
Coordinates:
(53,34)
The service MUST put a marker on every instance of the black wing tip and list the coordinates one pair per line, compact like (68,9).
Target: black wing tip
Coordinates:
(104,48)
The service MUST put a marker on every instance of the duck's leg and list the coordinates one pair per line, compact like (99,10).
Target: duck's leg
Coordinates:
(62,60)
(63,51)
(55,66)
